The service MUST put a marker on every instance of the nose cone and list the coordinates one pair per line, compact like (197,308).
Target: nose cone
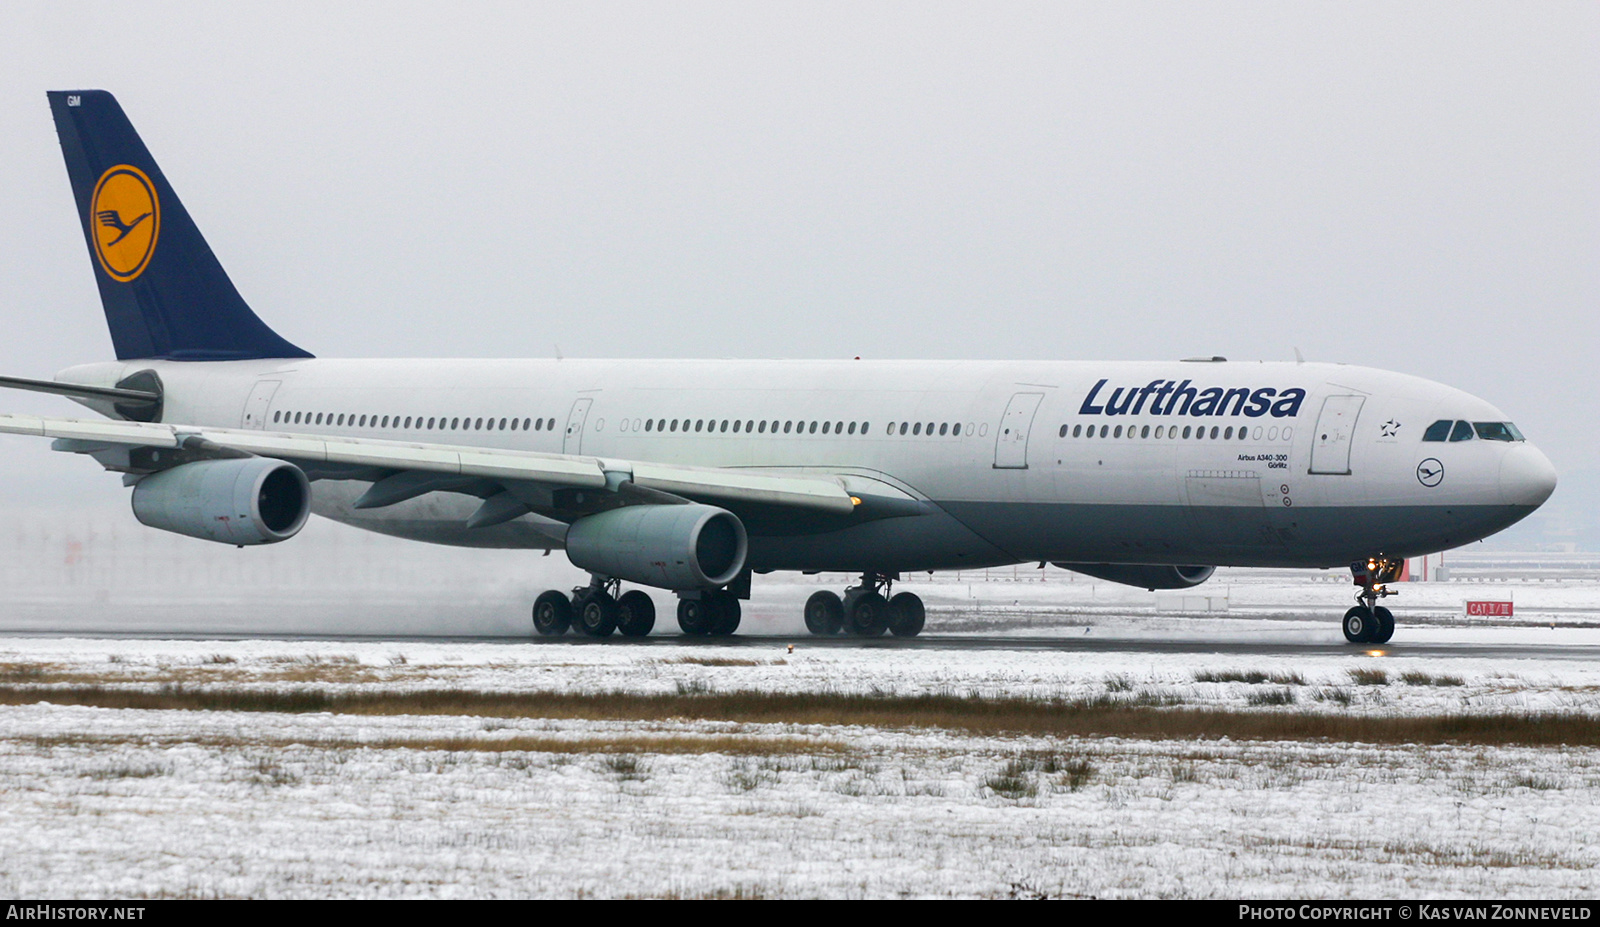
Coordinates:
(1526,477)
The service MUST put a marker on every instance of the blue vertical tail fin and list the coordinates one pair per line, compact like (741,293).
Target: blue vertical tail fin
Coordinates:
(164,292)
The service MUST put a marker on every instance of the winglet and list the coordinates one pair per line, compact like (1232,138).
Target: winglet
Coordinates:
(164,292)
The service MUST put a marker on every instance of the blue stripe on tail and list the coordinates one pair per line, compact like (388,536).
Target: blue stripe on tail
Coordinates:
(164,292)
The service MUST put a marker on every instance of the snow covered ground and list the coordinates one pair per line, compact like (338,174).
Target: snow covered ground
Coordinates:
(138,802)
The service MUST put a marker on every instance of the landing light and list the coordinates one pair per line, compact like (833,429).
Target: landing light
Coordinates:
(1377,653)
(855,500)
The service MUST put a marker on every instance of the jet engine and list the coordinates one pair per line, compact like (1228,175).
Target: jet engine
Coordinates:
(252,500)
(669,546)
(1151,576)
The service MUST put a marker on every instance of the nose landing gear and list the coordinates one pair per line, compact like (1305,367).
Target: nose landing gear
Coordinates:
(1369,622)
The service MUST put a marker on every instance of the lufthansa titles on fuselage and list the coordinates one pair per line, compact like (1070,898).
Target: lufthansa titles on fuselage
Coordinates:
(1168,397)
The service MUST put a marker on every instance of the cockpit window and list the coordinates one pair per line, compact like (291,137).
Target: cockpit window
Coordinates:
(1438,431)
(1462,432)
(1497,431)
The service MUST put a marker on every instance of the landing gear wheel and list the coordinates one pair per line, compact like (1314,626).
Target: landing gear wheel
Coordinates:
(906,615)
(725,619)
(824,613)
(636,613)
(869,615)
(1383,625)
(695,616)
(1359,623)
(552,613)
(597,615)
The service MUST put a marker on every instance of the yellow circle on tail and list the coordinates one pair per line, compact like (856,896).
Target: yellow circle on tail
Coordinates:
(124,221)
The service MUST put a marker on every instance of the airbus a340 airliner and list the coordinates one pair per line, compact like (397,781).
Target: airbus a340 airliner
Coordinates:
(689,475)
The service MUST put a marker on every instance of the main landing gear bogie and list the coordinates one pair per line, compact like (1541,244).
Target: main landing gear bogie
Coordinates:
(1368,622)
(601,610)
(709,614)
(594,611)
(866,610)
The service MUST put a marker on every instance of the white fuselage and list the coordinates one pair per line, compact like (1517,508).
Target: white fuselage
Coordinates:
(1265,464)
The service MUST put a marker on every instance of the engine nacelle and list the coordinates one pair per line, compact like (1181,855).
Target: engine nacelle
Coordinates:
(251,500)
(669,546)
(1150,576)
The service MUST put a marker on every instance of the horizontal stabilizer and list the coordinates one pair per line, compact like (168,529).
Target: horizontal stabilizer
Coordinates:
(77,391)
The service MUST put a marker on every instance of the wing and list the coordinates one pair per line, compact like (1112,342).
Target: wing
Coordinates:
(512,483)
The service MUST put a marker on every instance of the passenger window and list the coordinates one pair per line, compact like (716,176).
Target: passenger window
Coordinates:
(1186,432)
(1105,430)
(1228,435)
(1462,432)
(944,427)
(1438,431)
(787,426)
(761,427)
(955,430)
(813,429)
(1159,429)
(916,429)
(1144,432)
(826,426)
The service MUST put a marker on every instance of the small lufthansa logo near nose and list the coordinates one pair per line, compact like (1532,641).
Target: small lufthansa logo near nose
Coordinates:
(1430,472)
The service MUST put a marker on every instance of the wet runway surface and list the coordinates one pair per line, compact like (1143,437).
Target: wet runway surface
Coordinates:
(1495,643)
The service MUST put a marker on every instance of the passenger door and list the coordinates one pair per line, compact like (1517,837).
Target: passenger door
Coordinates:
(1336,425)
(572,441)
(1011,442)
(255,408)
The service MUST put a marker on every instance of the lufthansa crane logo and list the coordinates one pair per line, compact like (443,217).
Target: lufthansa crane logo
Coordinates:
(124,221)
(1430,472)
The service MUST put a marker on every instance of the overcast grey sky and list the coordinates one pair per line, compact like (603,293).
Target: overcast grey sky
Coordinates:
(1412,186)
